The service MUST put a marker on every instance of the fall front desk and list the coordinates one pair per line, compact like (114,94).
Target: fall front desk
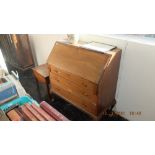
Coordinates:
(84,75)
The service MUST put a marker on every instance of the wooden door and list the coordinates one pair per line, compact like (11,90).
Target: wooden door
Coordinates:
(16,50)
(22,50)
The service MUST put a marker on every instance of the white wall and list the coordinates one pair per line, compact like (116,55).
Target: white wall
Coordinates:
(136,83)
(42,45)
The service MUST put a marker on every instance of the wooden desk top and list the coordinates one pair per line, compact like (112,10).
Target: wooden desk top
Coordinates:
(42,70)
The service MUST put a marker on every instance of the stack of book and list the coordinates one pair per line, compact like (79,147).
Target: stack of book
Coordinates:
(33,112)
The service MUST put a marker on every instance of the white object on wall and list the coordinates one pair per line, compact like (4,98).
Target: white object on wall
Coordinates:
(137,88)
(73,38)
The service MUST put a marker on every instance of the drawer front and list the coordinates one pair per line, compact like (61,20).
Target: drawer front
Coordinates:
(72,87)
(75,99)
(39,77)
(86,85)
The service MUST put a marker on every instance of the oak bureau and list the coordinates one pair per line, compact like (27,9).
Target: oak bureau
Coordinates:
(84,77)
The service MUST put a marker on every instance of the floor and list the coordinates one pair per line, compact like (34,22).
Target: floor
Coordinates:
(28,81)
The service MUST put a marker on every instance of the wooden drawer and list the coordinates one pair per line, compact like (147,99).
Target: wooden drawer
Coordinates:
(39,77)
(66,84)
(77,100)
(89,87)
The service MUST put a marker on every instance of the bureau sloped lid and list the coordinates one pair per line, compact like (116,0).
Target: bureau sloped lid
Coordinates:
(82,62)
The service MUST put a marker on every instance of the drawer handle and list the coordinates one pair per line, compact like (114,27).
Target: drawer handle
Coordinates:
(57,80)
(56,71)
(84,84)
(85,94)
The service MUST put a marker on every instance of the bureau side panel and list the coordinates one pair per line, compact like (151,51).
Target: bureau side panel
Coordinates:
(108,81)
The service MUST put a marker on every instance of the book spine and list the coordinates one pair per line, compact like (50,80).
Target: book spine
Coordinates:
(19,113)
(11,108)
(34,112)
(42,113)
(28,116)
(14,116)
(53,112)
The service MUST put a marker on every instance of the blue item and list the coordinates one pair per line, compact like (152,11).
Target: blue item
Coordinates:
(7,92)
(20,101)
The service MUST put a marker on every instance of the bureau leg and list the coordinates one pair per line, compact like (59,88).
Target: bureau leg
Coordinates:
(52,97)
(98,118)
(38,89)
(48,90)
(112,104)
(108,112)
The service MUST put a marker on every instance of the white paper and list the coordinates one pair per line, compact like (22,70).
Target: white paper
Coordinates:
(99,47)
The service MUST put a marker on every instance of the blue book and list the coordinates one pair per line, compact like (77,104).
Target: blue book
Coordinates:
(7,92)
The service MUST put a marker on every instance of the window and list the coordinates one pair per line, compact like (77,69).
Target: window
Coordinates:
(143,35)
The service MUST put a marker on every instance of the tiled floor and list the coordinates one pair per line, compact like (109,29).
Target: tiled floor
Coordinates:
(28,81)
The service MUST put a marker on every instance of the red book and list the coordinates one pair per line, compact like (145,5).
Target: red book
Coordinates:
(19,113)
(14,116)
(43,113)
(53,112)
(34,112)
(28,116)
